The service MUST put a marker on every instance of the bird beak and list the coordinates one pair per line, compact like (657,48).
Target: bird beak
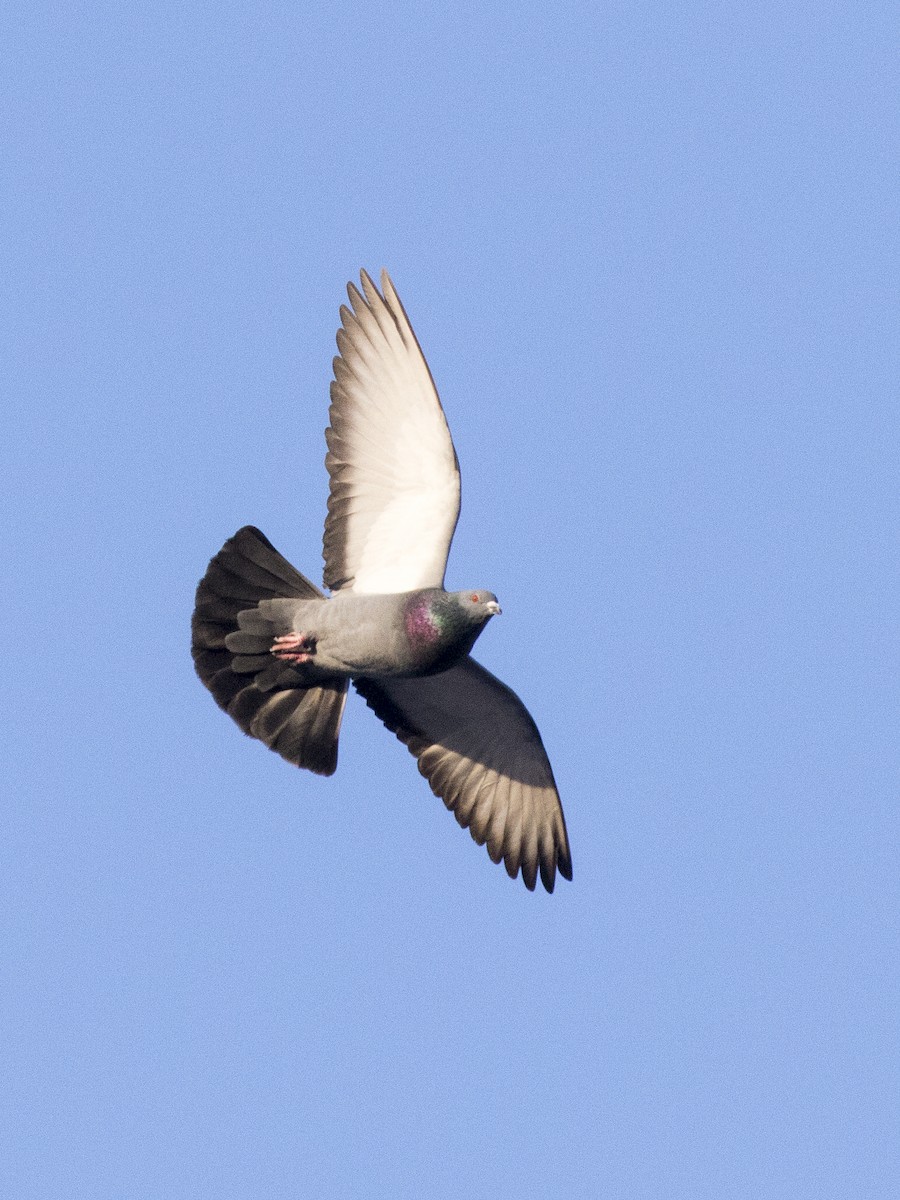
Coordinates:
(493,608)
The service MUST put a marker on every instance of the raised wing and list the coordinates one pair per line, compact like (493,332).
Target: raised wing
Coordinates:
(394,498)
(482,754)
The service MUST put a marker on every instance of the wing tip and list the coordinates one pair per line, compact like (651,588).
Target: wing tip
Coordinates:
(545,867)
(372,299)
(367,281)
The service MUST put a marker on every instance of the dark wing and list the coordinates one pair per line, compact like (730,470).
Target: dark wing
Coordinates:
(482,754)
(394,498)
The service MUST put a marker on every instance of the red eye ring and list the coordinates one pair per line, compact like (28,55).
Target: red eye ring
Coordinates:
(474,597)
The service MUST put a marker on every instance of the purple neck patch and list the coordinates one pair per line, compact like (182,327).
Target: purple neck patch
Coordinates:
(423,625)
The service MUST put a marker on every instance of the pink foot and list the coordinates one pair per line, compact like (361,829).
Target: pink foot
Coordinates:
(294,648)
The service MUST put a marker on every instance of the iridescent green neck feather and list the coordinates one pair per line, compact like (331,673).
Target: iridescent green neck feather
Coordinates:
(433,618)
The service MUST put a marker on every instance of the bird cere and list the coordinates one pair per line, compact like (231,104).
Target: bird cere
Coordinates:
(278,655)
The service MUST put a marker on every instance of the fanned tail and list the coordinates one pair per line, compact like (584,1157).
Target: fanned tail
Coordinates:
(268,699)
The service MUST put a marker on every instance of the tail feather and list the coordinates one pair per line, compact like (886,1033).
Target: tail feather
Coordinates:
(268,699)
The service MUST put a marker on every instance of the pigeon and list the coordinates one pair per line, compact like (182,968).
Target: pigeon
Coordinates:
(278,655)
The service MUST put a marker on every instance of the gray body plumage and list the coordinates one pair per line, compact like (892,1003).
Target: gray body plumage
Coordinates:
(355,634)
(278,655)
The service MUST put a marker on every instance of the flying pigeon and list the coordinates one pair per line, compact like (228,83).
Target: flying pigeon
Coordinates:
(278,655)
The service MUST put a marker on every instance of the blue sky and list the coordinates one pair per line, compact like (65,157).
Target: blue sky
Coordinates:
(651,253)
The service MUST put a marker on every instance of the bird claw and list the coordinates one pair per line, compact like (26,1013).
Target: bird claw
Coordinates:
(294,648)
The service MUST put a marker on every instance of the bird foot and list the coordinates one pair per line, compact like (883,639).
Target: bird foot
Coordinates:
(294,648)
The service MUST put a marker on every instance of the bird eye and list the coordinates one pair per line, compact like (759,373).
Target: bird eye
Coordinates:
(474,597)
